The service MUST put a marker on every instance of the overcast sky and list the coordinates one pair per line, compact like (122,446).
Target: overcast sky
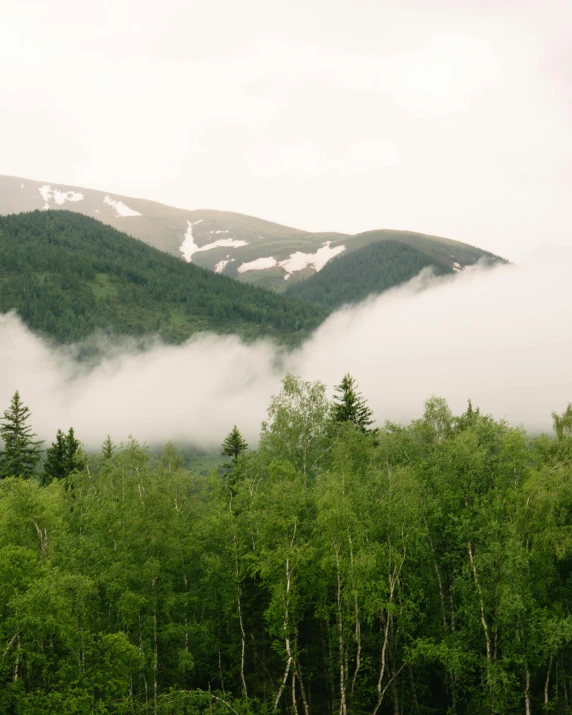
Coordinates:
(448,117)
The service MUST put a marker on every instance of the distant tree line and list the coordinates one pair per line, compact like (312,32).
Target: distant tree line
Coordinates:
(337,567)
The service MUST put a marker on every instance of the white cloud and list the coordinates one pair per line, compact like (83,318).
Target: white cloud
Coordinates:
(502,338)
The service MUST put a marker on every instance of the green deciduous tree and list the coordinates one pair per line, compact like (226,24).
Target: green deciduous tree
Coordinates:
(563,422)
(298,424)
(21,451)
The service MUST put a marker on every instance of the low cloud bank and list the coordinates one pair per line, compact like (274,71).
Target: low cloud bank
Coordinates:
(501,337)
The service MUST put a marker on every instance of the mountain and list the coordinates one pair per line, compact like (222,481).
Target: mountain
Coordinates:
(243,247)
(68,275)
(374,268)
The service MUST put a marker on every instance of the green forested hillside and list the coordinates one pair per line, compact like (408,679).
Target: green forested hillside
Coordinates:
(423,569)
(372,269)
(223,241)
(67,275)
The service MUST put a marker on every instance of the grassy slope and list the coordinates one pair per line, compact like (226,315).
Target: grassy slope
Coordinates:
(68,275)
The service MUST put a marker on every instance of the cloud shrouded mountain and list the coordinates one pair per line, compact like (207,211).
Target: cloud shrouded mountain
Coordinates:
(500,337)
(243,247)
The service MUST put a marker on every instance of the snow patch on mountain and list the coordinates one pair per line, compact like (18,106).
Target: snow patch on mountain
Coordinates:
(59,197)
(225,243)
(189,247)
(298,261)
(221,265)
(260,264)
(122,209)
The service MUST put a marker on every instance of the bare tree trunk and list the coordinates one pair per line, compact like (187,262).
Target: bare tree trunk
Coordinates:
(484,624)
(242,631)
(527,693)
(17,664)
(294,704)
(239,606)
(381,692)
(357,622)
(43,537)
(303,693)
(343,709)
(155,647)
(286,624)
(547,681)
(393,579)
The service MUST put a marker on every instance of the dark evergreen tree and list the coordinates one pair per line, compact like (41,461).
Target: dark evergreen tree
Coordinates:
(107,448)
(350,406)
(21,451)
(234,444)
(61,457)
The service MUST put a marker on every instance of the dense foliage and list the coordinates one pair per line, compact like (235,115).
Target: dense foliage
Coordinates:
(67,275)
(419,569)
(354,276)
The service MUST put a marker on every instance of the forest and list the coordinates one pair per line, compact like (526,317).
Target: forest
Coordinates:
(68,275)
(334,568)
(372,269)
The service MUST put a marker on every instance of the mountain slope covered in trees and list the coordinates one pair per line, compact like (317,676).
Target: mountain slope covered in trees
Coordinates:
(413,569)
(68,275)
(372,269)
(246,248)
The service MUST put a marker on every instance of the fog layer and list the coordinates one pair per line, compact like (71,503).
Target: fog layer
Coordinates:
(500,337)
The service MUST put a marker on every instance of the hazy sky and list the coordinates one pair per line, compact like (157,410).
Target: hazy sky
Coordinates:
(449,117)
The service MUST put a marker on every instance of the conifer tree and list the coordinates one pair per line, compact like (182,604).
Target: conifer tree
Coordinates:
(61,457)
(350,406)
(21,451)
(234,444)
(107,448)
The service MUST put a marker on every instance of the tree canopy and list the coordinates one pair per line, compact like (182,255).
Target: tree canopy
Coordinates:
(423,568)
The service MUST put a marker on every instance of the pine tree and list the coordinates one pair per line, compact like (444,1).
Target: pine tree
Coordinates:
(55,457)
(61,457)
(107,448)
(234,444)
(21,451)
(350,406)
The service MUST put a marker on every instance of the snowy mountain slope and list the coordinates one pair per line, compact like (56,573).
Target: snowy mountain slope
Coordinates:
(243,247)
